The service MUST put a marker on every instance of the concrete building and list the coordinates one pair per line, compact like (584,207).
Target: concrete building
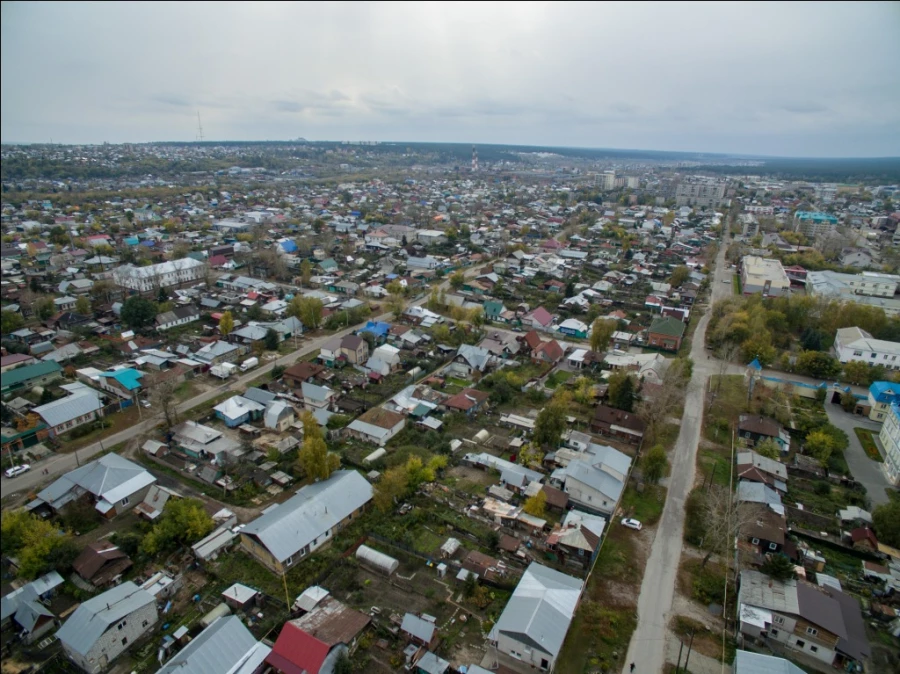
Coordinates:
(812,224)
(703,193)
(870,288)
(890,440)
(857,344)
(882,394)
(762,275)
(162,275)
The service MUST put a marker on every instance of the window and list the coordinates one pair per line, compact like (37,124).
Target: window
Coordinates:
(814,649)
(812,631)
(774,632)
(874,355)
(779,620)
(125,501)
(145,623)
(800,644)
(755,541)
(773,546)
(857,353)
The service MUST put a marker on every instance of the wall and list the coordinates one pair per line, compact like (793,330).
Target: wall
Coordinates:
(110,645)
(525,653)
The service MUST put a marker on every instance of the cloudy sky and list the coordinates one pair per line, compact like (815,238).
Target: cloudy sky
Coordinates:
(815,79)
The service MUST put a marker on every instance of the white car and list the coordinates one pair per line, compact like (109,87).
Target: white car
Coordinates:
(17,470)
(631,524)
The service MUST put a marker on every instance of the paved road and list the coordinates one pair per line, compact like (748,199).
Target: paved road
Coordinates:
(862,468)
(648,643)
(63,463)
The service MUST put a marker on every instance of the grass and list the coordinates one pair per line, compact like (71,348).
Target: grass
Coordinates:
(646,506)
(120,421)
(868,443)
(736,285)
(714,462)
(557,378)
(426,541)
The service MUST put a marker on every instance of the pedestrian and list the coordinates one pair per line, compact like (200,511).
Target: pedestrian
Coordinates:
(632,667)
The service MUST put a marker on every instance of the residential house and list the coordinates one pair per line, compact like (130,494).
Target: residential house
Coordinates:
(665,333)
(304,371)
(285,535)
(330,352)
(15,360)
(279,416)
(238,410)
(577,539)
(112,483)
(29,376)
(748,662)
(766,533)
(467,401)
(181,315)
(26,607)
(200,442)
(354,349)
(226,645)
(538,319)
(626,426)
(470,359)
(537,617)
(313,642)
(317,397)
(377,425)
(882,394)
(548,352)
(105,626)
(594,479)
(754,467)
(753,428)
(512,475)
(855,344)
(574,328)
(219,352)
(101,563)
(761,494)
(419,630)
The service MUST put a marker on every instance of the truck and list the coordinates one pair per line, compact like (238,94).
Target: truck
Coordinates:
(249,363)
(222,370)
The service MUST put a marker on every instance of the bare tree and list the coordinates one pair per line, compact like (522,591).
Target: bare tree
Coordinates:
(162,398)
(725,517)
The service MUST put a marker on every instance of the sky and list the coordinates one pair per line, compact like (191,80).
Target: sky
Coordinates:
(778,79)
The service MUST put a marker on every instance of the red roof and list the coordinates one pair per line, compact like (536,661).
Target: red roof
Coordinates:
(552,348)
(296,652)
(542,316)
(466,399)
(217,260)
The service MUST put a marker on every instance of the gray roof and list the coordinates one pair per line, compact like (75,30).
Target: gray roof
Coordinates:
(259,395)
(609,456)
(315,392)
(540,610)
(763,463)
(30,611)
(432,664)
(757,589)
(96,615)
(855,643)
(30,592)
(475,356)
(747,662)
(221,647)
(596,478)
(69,408)
(110,478)
(418,627)
(758,492)
(311,512)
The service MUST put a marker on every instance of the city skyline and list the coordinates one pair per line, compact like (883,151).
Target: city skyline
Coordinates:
(727,79)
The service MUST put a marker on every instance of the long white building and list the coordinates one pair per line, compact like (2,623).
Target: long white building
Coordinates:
(857,344)
(162,275)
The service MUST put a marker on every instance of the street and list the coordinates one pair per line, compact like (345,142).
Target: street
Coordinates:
(63,463)
(648,643)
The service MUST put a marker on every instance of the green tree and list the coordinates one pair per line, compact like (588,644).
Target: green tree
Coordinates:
(457,279)
(314,458)
(226,324)
(818,364)
(271,340)
(396,301)
(183,521)
(536,505)
(601,332)
(390,488)
(39,544)
(255,313)
(778,567)
(551,421)
(137,312)
(305,272)
(848,401)
(308,310)
(679,275)
(622,391)
(857,372)
(655,463)
(886,521)
(44,308)
(83,306)
(768,448)
(819,444)
(11,321)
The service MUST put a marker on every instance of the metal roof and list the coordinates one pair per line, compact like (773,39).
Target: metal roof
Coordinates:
(88,623)
(23,374)
(225,646)
(69,408)
(747,662)
(540,609)
(311,512)
(757,589)
(596,478)
(10,603)
(110,478)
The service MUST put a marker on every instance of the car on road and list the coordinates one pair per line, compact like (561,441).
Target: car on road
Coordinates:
(631,523)
(17,470)
(726,280)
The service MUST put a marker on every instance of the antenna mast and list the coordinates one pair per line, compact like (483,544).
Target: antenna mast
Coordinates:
(199,128)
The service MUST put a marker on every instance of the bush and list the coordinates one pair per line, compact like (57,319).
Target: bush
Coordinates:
(694,523)
(708,586)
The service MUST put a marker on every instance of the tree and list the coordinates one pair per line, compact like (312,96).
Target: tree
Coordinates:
(396,302)
(44,308)
(601,332)
(83,306)
(551,421)
(457,279)
(255,313)
(819,444)
(536,505)
(314,459)
(622,392)
(226,324)
(390,488)
(655,463)
(679,275)
(11,321)
(271,340)
(305,272)
(162,398)
(778,567)
(768,448)
(308,310)
(137,312)
(886,520)
(857,372)
(724,518)
(848,402)
(183,521)
(39,544)
(570,289)
(818,364)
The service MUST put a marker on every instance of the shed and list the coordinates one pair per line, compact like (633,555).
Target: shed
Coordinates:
(218,612)
(310,598)
(239,596)
(449,548)
(377,560)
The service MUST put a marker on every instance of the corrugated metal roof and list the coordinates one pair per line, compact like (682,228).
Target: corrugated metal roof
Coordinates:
(110,478)
(81,631)
(225,646)
(22,374)
(747,662)
(69,408)
(311,512)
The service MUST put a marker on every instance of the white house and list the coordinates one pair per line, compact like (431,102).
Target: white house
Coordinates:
(426,262)
(162,275)
(595,478)
(377,425)
(534,623)
(856,344)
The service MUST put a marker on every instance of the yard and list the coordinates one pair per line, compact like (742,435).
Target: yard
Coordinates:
(557,378)
(867,441)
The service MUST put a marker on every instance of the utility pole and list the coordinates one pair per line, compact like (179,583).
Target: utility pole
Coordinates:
(690,646)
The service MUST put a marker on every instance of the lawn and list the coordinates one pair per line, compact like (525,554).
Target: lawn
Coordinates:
(646,506)
(557,378)
(714,462)
(868,443)
(736,285)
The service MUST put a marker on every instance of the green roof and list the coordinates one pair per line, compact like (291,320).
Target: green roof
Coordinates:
(23,374)
(668,326)
(492,308)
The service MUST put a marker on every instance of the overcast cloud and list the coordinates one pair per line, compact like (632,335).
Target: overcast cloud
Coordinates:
(812,79)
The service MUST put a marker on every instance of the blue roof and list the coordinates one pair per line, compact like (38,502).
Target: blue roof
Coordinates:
(288,246)
(149,243)
(755,364)
(132,240)
(377,328)
(130,379)
(885,391)
(815,216)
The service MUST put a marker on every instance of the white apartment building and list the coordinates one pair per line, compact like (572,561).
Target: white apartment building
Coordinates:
(705,194)
(762,275)
(871,288)
(857,344)
(162,275)
(890,440)
(757,209)
(812,224)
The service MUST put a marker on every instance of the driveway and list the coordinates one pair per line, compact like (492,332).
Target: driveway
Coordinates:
(863,469)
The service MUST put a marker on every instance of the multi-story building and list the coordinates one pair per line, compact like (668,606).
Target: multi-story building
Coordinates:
(811,223)
(870,288)
(162,275)
(607,180)
(857,344)
(882,394)
(703,193)
(762,275)
(890,440)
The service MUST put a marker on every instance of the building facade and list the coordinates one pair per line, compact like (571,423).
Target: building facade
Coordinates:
(890,440)
(812,224)
(762,275)
(162,275)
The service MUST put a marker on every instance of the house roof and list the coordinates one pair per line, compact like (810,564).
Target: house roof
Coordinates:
(532,339)
(748,662)
(820,609)
(61,411)
(98,555)
(304,370)
(381,418)
(552,348)
(129,378)
(296,652)
(668,326)
(540,610)
(10,603)
(466,399)
(475,356)
(541,315)
(237,406)
(884,391)
(94,616)
(753,423)
(595,477)
(28,372)
(418,627)
(762,463)
(332,622)
(110,478)
(313,510)
(225,646)
(855,643)
(616,417)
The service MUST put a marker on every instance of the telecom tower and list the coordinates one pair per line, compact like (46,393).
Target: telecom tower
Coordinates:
(199,128)
(474,159)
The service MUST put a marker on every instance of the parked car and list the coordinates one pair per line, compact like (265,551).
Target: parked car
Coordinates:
(632,523)
(17,470)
